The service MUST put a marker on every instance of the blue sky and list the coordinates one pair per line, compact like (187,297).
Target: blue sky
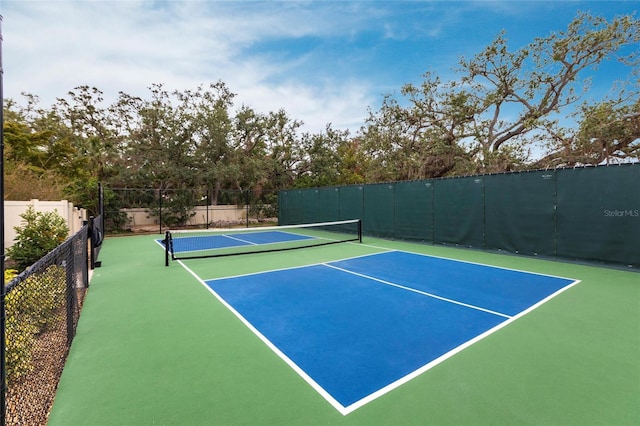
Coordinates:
(322,61)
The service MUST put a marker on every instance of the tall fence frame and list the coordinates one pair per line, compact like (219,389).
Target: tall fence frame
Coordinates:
(585,214)
(156,210)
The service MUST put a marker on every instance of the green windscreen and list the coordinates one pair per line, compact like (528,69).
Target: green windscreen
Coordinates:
(599,214)
(290,207)
(310,205)
(378,210)
(589,213)
(328,205)
(413,211)
(520,212)
(351,202)
(459,211)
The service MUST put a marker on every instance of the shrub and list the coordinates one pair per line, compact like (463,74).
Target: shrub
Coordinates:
(19,340)
(31,307)
(9,274)
(39,234)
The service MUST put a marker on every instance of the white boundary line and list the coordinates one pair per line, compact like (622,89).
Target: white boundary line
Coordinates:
(271,346)
(380,392)
(451,353)
(465,261)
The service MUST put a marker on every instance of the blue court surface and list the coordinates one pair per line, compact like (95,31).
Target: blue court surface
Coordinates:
(220,241)
(357,328)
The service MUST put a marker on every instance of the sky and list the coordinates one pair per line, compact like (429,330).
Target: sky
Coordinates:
(321,61)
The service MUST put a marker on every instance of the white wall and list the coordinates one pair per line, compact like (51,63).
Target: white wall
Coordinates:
(73,216)
(142,217)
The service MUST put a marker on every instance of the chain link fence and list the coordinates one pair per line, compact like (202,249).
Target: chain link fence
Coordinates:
(42,310)
(154,210)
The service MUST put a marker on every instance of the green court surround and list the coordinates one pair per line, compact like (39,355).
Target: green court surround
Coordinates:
(154,347)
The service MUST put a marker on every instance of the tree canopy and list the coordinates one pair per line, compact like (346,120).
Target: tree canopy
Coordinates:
(505,110)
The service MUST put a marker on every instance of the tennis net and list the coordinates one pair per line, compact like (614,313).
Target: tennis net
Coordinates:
(204,243)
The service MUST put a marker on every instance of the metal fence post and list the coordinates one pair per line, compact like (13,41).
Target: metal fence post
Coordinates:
(3,372)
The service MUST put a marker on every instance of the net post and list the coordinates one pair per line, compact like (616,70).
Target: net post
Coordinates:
(360,231)
(207,209)
(101,206)
(92,248)
(247,200)
(160,210)
(167,237)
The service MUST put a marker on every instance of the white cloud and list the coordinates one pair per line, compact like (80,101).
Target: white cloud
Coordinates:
(344,105)
(320,61)
(52,47)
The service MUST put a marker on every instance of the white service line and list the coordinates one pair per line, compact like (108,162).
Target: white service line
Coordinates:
(424,293)
(239,239)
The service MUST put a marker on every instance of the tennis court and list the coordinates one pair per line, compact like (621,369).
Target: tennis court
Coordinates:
(377,332)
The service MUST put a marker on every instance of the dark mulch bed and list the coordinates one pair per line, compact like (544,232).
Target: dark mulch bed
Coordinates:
(29,399)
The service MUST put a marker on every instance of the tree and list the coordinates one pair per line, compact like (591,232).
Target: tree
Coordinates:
(23,183)
(39,159)
(496,112)
(265,150)
(422,140)
(39,234)
(212,128)
(537,81)
(92,130)
(159,151)
(322,162)
(609,132)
